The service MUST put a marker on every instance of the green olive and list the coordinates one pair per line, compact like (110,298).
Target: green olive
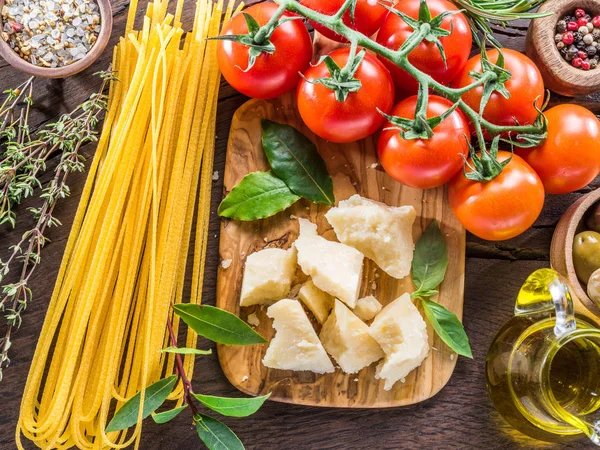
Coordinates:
(586,254)
(593,287)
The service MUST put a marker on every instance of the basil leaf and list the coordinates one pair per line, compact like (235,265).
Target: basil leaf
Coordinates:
(448,327)
(216,435)
(167,416)
(258,195)
(295,159)
(430,260)
(186,351)
(218,325)
(232,407)
(155,396)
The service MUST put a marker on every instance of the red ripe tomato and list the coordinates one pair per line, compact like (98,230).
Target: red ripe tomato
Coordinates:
(569,159)
(524,86)
(425,163)
(426,57)
(272,74)
(501,208)
(368,16)
(356,117)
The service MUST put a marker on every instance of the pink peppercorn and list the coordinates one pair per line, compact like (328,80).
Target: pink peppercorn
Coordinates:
(585,65)
(577,62)
(572,26)
(568,37)
(596,21)
(582,54)
(579,13)
(582,22)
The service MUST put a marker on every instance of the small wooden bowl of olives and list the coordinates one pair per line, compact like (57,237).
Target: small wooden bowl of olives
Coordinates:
(575,249)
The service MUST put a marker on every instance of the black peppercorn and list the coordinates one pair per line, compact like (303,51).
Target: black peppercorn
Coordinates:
(588,17)
(578,36)
(558,38)
(568,19)
(580,45)
(561,26)
(563,52)
(571,53)
(596,34)
(591,50)
(593,63)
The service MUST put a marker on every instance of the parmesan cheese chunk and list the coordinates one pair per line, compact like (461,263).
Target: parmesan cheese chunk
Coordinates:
(402,334)
(268,276)
(319,302)
(296,345)
(334,268)
(380,232)
(367,308)
(347,339)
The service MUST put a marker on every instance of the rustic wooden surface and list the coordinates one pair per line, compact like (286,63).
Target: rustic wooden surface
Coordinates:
(350,166)
(461,416)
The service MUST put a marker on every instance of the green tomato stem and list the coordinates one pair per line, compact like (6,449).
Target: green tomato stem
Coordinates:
(264,30)
(400,58)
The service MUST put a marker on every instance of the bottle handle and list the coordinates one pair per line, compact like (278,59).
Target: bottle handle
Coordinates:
(563,307)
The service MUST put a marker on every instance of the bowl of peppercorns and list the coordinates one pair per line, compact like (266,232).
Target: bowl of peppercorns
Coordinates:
(565,45)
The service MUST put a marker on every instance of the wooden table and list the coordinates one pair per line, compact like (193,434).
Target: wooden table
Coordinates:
(460,416)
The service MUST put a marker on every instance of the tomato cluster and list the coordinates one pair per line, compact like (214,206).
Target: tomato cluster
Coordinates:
(497,207)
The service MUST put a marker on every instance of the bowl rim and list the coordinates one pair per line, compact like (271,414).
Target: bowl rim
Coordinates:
(106,24)
(555,63)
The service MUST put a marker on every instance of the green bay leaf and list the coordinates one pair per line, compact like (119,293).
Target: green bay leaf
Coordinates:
(430,259)
(155,396)
(232,407)
(257,196)
(167,416)
(218,325)
(186,351)
(216,435)
(295,159)
(448,327)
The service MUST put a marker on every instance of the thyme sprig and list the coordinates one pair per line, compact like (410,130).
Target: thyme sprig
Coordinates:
(24,161)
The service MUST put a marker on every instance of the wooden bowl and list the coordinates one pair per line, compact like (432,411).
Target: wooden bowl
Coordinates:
(106,23)
(561,249)
(559,75)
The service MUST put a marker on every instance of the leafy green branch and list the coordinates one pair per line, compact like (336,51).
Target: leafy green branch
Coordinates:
(219,326)
(429,266)
(23,160)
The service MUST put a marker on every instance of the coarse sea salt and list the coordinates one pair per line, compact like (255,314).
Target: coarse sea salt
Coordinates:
(51,33)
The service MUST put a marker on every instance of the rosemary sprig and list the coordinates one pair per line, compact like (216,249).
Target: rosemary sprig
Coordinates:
(482,13)
(67,136)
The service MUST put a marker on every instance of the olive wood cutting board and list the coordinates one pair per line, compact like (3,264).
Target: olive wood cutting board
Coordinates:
(354,169)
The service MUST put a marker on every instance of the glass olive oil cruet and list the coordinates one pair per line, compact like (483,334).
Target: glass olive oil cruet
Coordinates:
(543,367)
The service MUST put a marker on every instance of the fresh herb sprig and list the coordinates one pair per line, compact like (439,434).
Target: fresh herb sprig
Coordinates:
(298,171)
(23,161)
(219,326)
(429,266)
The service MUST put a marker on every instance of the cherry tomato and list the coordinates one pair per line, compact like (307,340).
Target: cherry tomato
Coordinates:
(272,74)
(368,16)
(569,159)
(525,86)
(425,163)
(426,57)
(501,208)
(356,117)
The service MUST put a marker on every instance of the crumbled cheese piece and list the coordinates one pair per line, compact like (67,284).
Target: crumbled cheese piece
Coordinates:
(318,302)
(268,276)
(367,308)
(253,320)
(334,268)
(380,232)
(356,379)
(373,286)
(215,176)
(402,334)
(374,166)
(452,357)
(296,345)
(292,217)
(347,339)
(266,239)
(226,263)
(244,378)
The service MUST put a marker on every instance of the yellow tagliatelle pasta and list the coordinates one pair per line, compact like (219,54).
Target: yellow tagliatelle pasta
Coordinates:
(126,256)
